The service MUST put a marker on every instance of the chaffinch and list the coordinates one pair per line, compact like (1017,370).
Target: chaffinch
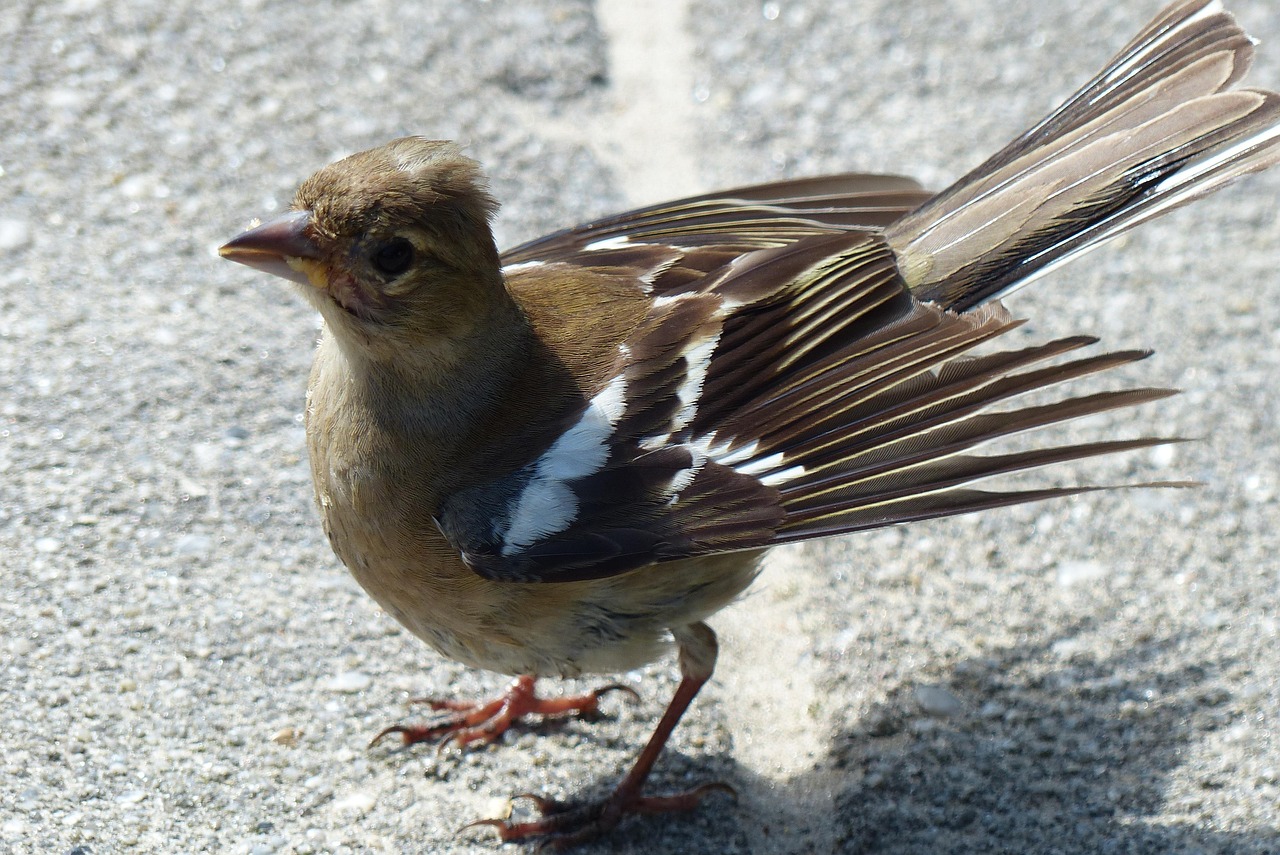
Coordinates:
(558,460)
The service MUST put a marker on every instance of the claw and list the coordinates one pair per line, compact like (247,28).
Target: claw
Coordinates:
(466,722)
(385,732)
(631,693)
(562,825)
(497,824)
(413,735)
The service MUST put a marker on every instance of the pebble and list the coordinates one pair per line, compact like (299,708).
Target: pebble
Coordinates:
(359,802)
(207,455)
(1074,572)
(349,682)
(993,710)
(1066,648)
(14,234)
(47,545)
(1162,455)
(1214,619)
(193,544)
(938,701)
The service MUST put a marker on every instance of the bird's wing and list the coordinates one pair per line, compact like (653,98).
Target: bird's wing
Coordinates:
(732,221)
(799,391)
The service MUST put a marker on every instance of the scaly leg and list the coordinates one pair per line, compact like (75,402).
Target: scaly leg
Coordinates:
(566,825)
(487,721)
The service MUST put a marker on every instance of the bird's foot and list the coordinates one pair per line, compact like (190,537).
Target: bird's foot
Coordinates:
(467,722)
(564,825)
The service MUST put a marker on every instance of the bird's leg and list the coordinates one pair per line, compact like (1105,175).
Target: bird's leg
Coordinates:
(487,721)
(565,825)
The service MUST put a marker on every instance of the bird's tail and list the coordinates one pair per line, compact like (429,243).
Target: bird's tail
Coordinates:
(1158,127)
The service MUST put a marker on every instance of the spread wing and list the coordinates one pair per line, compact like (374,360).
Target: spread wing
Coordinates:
(798,390)
(720,226)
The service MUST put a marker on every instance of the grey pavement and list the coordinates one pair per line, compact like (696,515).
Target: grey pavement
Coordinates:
(187,668)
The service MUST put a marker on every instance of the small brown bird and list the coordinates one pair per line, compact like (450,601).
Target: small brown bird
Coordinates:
(559,460)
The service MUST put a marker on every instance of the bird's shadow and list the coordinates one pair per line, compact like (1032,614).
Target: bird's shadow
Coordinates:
(1064,754)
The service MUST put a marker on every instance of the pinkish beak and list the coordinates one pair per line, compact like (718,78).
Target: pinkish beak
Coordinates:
(274,244)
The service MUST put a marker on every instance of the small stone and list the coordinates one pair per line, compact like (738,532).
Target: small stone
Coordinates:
(193,545)
(1074,572)
(1068,648)
(348,682)
(287,736)
(47,545)
(207,455)
(1251,692)
(1214,619)
(14,234)
(1162,455)
(359,802)
(938,701)
(993,710)
(216,772)
(881,722)
(497,808)
(137,186)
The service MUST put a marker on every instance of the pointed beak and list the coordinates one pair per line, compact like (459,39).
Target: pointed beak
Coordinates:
(282,247)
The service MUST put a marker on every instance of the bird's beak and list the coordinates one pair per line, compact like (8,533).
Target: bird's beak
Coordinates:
(282,246)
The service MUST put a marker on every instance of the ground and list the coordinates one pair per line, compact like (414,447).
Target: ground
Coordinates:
(187,668)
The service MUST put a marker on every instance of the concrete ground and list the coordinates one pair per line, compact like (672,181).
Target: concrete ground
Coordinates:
(187,668)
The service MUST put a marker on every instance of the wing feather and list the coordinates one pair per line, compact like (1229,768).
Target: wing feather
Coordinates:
(801,391)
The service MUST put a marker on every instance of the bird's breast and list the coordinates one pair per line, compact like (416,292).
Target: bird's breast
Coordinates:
(378,498)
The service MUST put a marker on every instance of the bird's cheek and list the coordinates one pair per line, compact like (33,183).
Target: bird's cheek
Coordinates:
(346,291)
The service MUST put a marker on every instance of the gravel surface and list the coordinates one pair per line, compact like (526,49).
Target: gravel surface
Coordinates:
(187,668)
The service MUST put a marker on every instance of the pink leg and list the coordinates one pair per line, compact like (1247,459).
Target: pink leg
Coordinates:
(565,826)
(487,721)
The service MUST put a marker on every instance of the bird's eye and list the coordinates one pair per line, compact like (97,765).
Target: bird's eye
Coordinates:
(393,257)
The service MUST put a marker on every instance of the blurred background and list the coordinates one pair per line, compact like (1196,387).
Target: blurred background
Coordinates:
(187,668)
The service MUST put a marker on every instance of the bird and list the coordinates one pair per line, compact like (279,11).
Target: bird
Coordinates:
(562,459)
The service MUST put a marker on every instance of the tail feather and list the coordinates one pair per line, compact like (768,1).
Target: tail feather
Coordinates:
(1157,128)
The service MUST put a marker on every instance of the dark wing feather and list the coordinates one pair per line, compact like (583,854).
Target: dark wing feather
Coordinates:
(801,391)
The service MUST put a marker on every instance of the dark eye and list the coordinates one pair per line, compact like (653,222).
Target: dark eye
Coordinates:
(393,257)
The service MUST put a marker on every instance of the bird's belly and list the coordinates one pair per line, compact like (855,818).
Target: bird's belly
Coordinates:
(385,535)
(548,629)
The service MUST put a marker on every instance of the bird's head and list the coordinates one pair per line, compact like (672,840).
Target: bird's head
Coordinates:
(393,245)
